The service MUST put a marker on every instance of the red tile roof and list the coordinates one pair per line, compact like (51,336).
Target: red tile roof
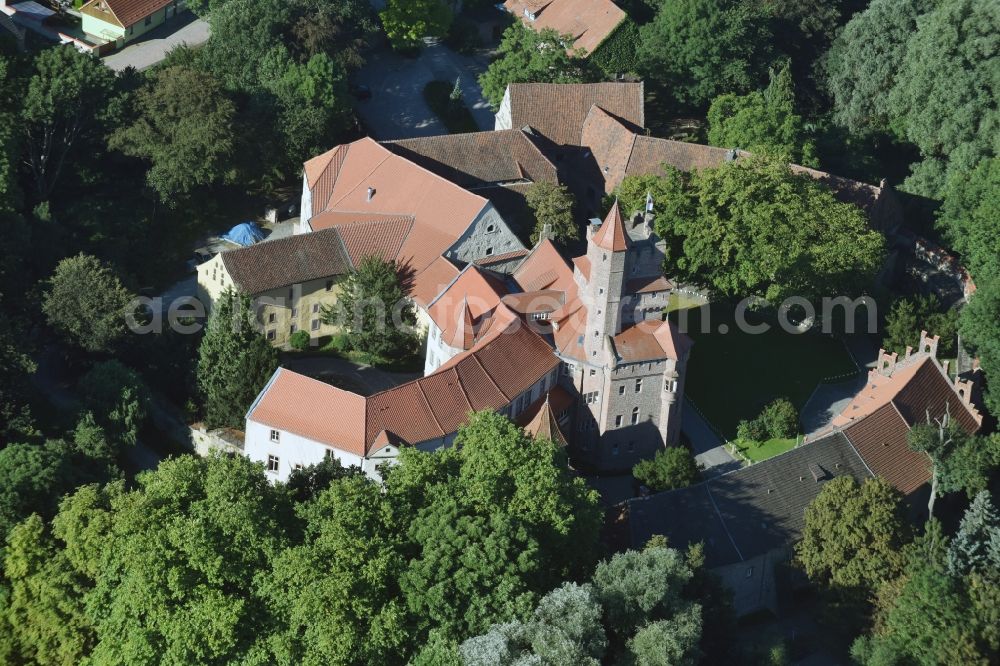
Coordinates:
(545,268)
(433,280)
(130,12)
(610,142)
(880,439)
(648,285)
(474,159)
(441,210)
(312,409)
(287,261)
(472,295)
(612,235)
(501,258)
(559,110)
(588,22)
(651,340)
(379,238)
(539,419)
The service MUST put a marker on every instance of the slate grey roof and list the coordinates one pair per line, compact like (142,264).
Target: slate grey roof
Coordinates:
(750,511)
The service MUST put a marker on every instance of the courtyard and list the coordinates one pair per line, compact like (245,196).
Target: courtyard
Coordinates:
(733,374)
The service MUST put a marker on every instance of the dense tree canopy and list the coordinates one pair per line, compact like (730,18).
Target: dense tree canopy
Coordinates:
(672,467)
(525,55)
(947,94)
(853,534)
(909,316)
(184,127)
(552,205)
(701,48)
(752,227)
(87,303)
(864,60)
(969,220)
(764,120)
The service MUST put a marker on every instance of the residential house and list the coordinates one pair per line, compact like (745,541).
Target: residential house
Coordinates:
(291,280)
(121,21)
(750,518)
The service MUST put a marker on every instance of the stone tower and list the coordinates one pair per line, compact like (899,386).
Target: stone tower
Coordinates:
(607,252)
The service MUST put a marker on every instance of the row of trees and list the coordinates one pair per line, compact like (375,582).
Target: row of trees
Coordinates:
(205,561)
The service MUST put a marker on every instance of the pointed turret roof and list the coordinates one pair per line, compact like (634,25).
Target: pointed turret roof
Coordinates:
(611,236)
(463,334)
(545,426)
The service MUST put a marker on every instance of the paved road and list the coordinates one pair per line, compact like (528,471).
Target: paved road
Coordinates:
(397,108)
(827,401)
(708,447)
(153,47)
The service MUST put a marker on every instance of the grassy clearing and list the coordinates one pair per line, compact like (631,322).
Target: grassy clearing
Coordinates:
(765,450)
(453,113)
(731,376)
(679,301)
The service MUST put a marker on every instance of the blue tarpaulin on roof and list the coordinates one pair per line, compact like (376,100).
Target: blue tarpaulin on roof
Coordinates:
(244,233)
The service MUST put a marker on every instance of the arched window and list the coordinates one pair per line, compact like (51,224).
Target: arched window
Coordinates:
(635,415)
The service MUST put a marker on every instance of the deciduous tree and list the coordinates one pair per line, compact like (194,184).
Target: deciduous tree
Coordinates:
(854,534)
(672,467)
(407,22)
(184,128)
(552,205)
(968,218)
(86,302)
(527,56)
(979,324)
(909,316)
(701,48)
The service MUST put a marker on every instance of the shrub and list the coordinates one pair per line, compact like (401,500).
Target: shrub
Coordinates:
(751,431)
(299,340)
(672,467)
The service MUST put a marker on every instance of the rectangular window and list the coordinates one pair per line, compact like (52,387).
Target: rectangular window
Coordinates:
(618,421)
(635,416)
(270,318)
(670,385)
(591,397)
(292,329)
(270,334)
(272,464)
(149,19)
(295,312)
(315,324)
(275,436)
(593,372)
(291,294)
(638,385)
(621,390)
(315,308)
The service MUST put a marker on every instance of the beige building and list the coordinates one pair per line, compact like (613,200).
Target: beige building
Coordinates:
(292,279)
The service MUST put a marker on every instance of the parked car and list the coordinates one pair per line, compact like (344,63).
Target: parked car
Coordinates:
(361,92)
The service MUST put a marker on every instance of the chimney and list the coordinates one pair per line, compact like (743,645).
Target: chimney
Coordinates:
(371,193)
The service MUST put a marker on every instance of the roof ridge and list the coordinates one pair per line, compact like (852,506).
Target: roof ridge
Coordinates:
(486,372)
(427,403)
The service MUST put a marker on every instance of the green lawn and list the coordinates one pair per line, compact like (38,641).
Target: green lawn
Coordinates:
(679,301)
(455,115)
(732,375)
(768,449)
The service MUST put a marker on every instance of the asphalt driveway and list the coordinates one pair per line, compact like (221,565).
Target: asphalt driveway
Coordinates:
(151,48)
(397,109)
(706,445)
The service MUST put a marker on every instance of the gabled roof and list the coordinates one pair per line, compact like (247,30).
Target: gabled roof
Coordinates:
(472,295)
(379,238)
(126,12)
(559,110)
(340,180)
(750,511)
(476,159)
(612,235)
(588,22)
(881,440)
(433,280)
(610,141)
(287,261)
(312,409)
(545,268)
